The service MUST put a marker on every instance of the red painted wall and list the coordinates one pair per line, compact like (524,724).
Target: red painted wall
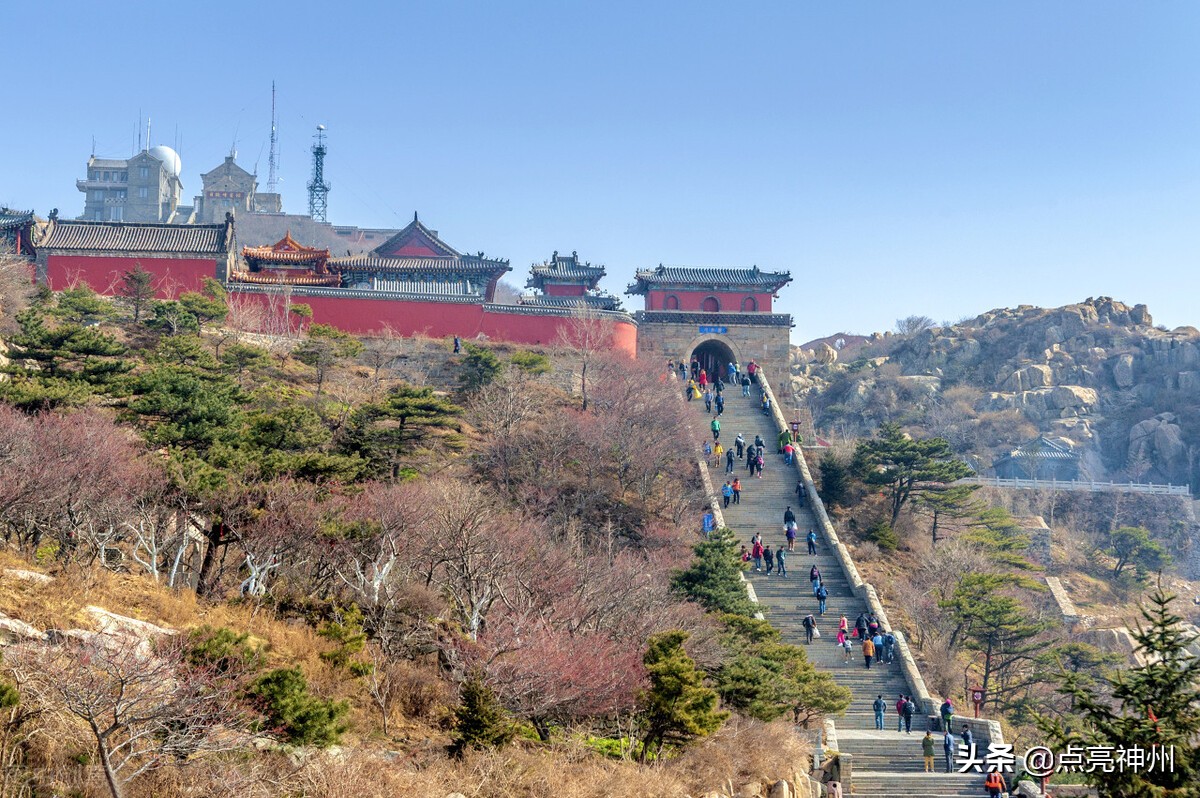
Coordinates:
(443,319)
(173,276)
(690,300)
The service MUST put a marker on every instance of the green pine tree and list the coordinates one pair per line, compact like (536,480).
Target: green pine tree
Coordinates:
(835,480)
(902,465)
(479,720)
(479,368)
(1153,707)
(713,580)
(678,706)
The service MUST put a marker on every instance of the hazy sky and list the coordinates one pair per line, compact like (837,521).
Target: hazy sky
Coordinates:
(898,158)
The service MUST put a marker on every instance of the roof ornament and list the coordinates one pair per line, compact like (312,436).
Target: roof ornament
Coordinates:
(54,215)
(414,216)
(574,254)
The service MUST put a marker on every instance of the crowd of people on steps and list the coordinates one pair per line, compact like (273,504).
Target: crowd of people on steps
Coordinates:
(876,644)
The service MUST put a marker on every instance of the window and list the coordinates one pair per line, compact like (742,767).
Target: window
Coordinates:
(106,177)
(749,305)
(710,304)
(671,303)
(118,213)
(98,214)
(143,192)
(143,172)
(124,177)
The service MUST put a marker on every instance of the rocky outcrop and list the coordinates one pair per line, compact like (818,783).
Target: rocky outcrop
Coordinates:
(1158,442)
(826,354)
(110,623)
(1122,371)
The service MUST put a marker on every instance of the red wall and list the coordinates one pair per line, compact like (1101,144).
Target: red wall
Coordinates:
(690,300)
(173,276)
(352,314)
(444,319)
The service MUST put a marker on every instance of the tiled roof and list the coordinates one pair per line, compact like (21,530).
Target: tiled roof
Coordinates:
(196,239)
(597,301)
(419,232)
(107,163)
(567,267)
(289,279)
(10,218)
(1043,448)
(465,265)
(704,277)
(285,250)
(431,288)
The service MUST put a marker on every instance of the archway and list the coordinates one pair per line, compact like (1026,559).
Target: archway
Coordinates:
(714,356)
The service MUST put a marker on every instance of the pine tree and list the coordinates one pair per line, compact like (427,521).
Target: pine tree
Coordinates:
(835,480)
(995,625)
(1154,707)
(137,290)
(678,706)
(713,580)
(479,721)
(900,464)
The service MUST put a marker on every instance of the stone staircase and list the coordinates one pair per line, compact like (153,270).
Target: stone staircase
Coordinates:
(885,763)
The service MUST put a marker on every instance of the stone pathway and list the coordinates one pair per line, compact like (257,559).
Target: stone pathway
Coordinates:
(884,763)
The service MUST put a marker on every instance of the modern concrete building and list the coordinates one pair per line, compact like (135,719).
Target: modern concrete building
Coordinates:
(144,188)
(231,189)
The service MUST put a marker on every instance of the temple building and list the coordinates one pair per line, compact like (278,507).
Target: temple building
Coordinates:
(565,282)
(16,232)
(285,263)
(416,261)
(99,254)
(714,315)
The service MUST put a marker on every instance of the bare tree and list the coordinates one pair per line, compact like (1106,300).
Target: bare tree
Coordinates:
(586,337)
(911,325)
(16,289)
(142,709)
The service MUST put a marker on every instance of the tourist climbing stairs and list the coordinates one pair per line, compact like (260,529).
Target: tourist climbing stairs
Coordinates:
(885,763)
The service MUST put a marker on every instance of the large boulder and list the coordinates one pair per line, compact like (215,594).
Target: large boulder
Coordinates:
(13,630)
(1122,370)
(1159,442)
(826,354)
(1189,381)
(110,623)
(1072,396)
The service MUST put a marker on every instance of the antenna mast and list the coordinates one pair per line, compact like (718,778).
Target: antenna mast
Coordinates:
(318,189)
(272,164)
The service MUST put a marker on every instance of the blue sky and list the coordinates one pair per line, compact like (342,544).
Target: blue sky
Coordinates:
(898,158)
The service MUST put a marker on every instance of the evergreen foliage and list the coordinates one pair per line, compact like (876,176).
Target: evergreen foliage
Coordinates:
(882,535)
(713,580)
(900,465)
(137,290)
(324,347)
(1132,545)
(835,480)
(222,649)
(1153,706)
(479,720)
(765,677)
(291,711)
(479,368)
(996,625)
(678,705)
(387,434)
(530,362)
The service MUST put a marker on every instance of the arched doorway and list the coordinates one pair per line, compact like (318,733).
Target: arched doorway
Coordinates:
(714,356)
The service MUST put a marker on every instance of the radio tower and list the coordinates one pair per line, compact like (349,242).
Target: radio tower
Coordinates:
(272,162)
(318,189)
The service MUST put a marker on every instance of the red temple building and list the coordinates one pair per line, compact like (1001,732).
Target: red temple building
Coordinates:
(99,254)
(716,316)
(565,282)
(16,232)
(285,262)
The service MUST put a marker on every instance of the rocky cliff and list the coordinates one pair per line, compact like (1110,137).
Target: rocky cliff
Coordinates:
(1098,374)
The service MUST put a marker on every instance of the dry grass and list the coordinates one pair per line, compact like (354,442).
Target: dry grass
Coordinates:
(743,752)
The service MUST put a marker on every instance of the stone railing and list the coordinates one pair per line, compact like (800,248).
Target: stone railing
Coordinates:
(981,728)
